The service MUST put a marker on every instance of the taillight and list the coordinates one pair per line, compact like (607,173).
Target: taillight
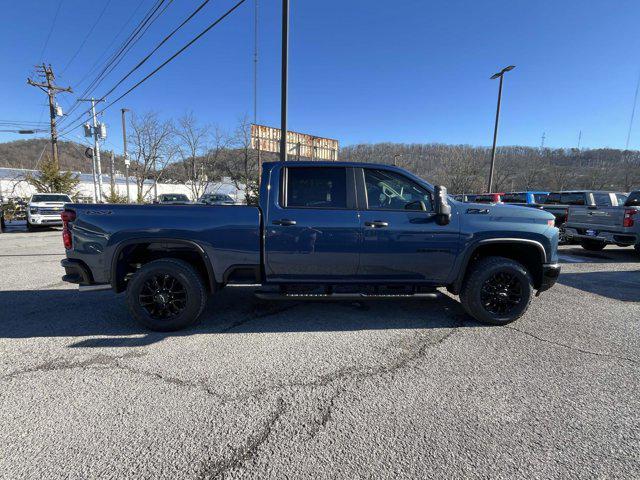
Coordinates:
(628,217)
(67,216)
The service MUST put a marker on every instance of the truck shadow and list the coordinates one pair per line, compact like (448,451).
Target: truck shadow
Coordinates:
(620,285)
(67,313)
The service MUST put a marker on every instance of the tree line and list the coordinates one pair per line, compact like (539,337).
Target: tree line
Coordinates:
(197,154)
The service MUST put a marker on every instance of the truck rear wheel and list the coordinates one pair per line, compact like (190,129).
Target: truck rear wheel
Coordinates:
(166,295)
(593,245)
(496,290)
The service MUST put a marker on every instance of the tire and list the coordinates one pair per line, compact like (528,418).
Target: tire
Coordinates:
(480,283)
(30,228)
(637,248)
(593,245)
(166,295)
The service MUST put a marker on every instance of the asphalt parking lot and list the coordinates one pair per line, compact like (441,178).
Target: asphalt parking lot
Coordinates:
(402,389)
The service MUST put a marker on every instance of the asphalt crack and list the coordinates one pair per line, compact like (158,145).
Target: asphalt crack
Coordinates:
(245,452)
(575,349)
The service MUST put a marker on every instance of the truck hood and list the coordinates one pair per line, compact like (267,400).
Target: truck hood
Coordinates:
(513,213)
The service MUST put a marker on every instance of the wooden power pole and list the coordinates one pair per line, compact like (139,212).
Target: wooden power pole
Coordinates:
(48,87)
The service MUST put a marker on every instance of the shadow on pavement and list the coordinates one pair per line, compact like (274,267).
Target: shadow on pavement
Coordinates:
(68,313)
(621,285)
(608,255)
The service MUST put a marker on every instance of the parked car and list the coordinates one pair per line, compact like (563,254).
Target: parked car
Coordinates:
(44,209)
(558,203)
(173,199)
(596,226)
(530,198)
(216,199)
(323,230)
(488,198)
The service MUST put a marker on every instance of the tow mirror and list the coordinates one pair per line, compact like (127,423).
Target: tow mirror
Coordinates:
(442,207)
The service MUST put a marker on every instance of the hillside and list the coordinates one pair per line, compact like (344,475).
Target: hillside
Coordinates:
(462,168)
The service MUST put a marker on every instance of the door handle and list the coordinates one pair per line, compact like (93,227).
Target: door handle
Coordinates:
(285,222)
(376,224)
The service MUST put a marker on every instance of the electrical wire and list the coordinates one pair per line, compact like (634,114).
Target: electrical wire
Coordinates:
(86,37)
(53,24)
(133,38)
(157,69)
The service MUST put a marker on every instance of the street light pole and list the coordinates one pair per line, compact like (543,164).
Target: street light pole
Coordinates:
(500,75)
(283,85)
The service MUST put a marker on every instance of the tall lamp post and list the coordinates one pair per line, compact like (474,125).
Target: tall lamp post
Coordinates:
(499,75)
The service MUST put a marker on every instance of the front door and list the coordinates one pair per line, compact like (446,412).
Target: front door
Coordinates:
(401,241)
(313,229)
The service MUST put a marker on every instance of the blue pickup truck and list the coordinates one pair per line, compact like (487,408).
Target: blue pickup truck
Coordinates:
(323,230)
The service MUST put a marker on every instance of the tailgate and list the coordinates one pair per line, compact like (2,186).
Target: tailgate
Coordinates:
(597,217)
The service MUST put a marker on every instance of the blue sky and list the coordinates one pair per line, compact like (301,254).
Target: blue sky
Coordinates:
(360,71)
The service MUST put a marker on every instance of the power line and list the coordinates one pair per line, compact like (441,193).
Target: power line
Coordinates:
(163,64)
(108,47)
(131,40)
(633,113)
(86,37)
(53,24)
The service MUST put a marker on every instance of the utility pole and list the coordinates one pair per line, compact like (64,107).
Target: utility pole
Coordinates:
(283,85)
(500,75)
(96,144)
(127,162)
(112,175)
(255,87)
(579,138)
(50,89)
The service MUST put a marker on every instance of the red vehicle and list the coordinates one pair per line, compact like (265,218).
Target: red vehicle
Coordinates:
(488,198)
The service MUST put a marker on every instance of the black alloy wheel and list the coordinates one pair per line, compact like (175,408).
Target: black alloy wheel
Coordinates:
(166,295)
(163,296)
(501,293)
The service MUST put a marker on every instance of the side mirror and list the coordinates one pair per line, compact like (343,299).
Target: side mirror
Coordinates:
(441,205)
(417,205)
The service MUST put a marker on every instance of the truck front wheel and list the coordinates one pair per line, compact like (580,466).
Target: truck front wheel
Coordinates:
(166,295)
(496,290)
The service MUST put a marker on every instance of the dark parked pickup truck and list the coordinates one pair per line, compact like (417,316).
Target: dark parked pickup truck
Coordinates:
(323,230)
(595,227)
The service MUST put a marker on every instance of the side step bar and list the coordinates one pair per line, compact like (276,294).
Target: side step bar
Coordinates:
(94,288)
(266,295)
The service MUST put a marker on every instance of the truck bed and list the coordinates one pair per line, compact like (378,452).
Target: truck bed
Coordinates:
(228,234)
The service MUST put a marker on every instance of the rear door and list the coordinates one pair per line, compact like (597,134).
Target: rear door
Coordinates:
(602,215)
(400,241)
(312,228)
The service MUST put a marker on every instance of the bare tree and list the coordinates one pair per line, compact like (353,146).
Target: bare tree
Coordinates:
(200,149)
(240,163)
(151,150)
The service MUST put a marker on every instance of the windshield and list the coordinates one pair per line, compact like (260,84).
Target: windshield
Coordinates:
(174,198)
(50,198)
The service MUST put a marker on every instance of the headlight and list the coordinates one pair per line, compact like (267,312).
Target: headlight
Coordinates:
(33,210)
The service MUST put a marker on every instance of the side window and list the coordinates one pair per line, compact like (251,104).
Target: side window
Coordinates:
(316,187)
(390,191)
(539,197)
(602,199)
(621,198)
(514,198)
(573,198)
(552,199)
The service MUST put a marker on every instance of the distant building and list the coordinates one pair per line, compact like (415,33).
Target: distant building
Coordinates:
(13,184)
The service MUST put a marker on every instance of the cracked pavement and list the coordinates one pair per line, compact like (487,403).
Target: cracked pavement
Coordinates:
(387,389)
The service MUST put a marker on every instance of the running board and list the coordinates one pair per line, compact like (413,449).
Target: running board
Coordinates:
(265,295)
(94,288)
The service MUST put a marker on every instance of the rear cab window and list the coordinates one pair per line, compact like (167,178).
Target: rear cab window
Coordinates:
(315,187)
(602,199)
(633,200)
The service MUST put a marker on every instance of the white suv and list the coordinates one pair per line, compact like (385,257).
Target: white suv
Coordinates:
(44,209)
